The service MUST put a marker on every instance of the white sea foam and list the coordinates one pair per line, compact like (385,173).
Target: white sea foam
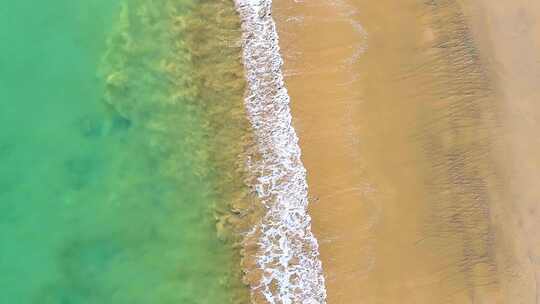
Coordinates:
(288,254)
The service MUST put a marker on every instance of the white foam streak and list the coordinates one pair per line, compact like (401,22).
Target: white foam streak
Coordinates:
(288,252)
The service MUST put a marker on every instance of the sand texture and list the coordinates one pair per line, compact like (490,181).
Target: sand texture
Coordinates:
(417,126)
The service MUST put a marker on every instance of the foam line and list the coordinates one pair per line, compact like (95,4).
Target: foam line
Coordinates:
(288,253)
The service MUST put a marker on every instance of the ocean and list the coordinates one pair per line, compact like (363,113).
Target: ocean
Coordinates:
(121,125)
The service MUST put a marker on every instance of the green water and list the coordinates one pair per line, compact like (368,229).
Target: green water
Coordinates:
(107,180)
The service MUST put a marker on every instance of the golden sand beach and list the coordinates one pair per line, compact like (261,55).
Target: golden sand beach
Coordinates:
(417,126)
(508,37)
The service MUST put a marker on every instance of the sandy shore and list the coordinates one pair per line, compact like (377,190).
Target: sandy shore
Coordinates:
(508,37)
(413,119)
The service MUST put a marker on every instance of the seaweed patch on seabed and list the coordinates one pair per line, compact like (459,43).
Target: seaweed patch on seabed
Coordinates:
(285,254)
(170,77)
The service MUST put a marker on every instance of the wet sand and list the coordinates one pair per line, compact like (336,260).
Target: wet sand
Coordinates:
(413,143)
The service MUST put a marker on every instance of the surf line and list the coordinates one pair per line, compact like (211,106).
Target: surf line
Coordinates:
(287,254)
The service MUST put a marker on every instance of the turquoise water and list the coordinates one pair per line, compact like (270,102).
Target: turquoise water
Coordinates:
(104,191)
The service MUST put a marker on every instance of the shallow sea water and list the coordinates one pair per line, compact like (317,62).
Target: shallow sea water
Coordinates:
(107,186)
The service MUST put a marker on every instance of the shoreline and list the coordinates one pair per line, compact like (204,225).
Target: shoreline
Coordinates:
(281,256)
(319,68)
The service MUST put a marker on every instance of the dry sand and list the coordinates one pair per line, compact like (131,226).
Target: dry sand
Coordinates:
(417,124)
(508,37)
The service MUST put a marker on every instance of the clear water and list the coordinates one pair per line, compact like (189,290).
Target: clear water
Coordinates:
(102,199)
